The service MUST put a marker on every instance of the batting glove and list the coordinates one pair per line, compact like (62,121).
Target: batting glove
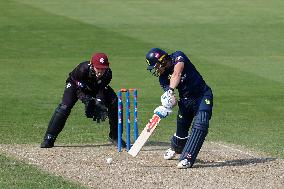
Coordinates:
(168,99)
(162,112)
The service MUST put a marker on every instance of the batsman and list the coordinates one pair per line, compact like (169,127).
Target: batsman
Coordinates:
(175,71)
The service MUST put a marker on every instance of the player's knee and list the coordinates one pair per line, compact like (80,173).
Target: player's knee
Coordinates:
(201,121)
(182,120)
(63,109)
(178,143)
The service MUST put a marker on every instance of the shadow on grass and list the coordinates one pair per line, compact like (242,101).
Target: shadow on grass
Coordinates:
(229,163)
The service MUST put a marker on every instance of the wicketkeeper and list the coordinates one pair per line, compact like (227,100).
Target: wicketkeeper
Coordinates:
(88,82)
(175,71)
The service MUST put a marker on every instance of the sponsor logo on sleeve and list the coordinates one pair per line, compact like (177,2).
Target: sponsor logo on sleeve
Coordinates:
(68,85)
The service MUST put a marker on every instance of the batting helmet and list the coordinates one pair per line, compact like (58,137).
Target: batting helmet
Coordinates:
(154,56)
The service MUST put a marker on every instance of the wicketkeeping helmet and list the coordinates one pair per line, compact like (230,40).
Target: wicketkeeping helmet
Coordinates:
(154,56)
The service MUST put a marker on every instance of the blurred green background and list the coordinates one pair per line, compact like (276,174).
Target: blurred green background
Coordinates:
(238,47)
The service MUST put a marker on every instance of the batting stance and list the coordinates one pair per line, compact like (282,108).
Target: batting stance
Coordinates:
(175,71)
(88,82)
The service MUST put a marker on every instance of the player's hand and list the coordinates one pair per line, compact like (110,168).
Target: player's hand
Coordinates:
(100,111)
(168,99)
(162,112)
(89,106)
(100,115)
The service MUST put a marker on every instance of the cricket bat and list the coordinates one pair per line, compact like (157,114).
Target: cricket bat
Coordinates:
(145,134)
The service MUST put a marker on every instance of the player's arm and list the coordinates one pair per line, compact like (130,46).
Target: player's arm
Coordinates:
(176,76)
(168,99)
(78,75)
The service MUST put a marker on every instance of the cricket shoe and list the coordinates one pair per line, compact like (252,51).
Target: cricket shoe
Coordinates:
(184,164)
(170,154)
(48,141)
(47,144)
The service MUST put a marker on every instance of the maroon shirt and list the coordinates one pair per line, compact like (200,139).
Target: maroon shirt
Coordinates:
(85,79)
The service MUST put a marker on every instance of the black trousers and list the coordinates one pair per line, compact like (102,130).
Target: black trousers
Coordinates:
(69,99)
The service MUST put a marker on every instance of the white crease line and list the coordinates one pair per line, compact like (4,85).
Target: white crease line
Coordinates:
(235,149)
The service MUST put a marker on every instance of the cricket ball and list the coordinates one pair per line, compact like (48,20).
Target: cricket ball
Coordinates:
(109,160)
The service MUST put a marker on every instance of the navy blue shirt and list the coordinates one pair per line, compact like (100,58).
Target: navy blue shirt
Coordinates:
(191,84)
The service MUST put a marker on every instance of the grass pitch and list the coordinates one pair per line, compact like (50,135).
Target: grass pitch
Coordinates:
(236,45)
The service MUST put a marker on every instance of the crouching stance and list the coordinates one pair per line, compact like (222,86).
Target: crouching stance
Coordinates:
(175,71)
(88,82)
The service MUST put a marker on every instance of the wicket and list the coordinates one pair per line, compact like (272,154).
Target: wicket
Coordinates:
(128,124)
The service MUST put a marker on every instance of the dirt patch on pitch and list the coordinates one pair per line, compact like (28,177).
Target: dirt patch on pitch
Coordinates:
(218,166)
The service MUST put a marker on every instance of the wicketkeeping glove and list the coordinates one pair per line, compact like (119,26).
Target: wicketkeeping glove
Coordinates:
(163,112)
(100,111)
(90,104)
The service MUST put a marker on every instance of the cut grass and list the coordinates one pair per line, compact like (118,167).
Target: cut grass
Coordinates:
(15,174)
(237,47)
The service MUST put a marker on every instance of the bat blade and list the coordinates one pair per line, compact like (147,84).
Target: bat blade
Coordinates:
(145,134)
